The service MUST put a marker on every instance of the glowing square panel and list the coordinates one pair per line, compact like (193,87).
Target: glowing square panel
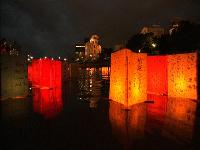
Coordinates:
(118,77)
(128,80)
(157,80)
(46,73)
(182,75)
(137,77)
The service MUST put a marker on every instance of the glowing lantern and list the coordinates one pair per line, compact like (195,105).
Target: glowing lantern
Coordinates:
(128,80)
(36,64)
(182,75)
(157,75)
(46,73)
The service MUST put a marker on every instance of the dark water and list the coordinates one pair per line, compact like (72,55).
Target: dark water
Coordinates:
(80,116)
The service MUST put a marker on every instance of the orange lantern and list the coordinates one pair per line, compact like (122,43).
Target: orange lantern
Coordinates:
(128,80)
(182,75)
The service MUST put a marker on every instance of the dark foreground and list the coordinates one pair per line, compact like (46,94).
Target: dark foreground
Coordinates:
(80,116)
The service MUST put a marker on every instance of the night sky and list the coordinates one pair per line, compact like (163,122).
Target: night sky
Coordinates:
(53,27)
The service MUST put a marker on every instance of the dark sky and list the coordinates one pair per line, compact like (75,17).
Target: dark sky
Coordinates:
(52,27)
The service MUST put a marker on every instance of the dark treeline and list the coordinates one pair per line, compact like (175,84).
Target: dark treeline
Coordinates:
(184,38)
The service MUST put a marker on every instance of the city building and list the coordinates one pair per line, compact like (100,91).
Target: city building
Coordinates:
(92,48)
(157,30)
(79,52)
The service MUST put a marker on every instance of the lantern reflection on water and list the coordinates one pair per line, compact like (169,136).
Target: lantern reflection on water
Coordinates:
(156,112)
(180,119)
(128,80)
(127,125)
(47,102)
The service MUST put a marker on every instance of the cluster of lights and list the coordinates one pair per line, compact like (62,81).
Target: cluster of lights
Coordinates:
(45,57)
(80,46)
(30,58)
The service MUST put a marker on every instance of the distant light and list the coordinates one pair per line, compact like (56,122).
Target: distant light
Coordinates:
(28,59)
(31,57)
(139,50)
(80,46)
(65,59)
(90,55)
(153,44)
(30,88)
(45,57)
(51,58)
(28,55)
(59,57)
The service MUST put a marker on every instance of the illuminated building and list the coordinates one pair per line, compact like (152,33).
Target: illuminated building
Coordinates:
(92,48)
(9,47)
(79,52)
(157,30)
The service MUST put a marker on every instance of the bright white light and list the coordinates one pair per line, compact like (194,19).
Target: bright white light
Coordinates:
(139,50)
(153,44)
(59,57)
(90,55)
(45,57)
(65,59)
(80,46)
(51,58)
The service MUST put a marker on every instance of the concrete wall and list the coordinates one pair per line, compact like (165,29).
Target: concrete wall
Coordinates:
(14,78)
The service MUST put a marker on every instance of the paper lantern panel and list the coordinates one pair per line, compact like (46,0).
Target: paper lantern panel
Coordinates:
(157,75)
(182,75)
